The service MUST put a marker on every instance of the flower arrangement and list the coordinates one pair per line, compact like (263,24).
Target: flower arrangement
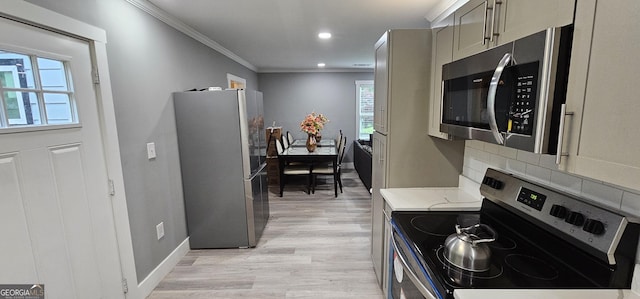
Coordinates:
(313,123)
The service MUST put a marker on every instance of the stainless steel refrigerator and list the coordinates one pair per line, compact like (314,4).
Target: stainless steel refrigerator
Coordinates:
(223,162)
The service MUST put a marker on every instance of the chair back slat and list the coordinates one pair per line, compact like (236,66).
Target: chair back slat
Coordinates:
(279,147)
(289,137)
(341,149)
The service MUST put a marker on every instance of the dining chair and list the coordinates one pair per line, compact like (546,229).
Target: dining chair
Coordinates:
(293,169)
(285,142)
(327,168)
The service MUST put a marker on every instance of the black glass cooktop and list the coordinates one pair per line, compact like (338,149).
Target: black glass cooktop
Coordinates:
(523,255)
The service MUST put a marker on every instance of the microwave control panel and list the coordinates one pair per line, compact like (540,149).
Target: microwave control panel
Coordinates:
(521,117)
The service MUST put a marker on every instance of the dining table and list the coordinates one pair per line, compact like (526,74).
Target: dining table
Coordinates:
(321,154)
(322,143)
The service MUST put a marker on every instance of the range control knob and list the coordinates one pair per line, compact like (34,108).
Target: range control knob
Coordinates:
(575,218)
(558,211)
(593,226)
(493,183)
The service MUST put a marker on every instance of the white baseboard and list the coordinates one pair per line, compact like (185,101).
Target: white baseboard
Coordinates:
(153,279)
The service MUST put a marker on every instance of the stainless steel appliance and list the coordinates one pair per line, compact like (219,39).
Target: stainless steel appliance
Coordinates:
(223,163)
(510,95)
(544,239)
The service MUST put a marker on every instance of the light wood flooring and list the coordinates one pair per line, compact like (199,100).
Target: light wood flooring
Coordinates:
(314,246)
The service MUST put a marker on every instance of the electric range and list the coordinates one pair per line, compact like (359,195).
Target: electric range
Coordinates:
(545,240)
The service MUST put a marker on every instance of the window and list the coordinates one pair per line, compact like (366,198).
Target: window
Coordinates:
(34,91)
(236,82)
(364,96)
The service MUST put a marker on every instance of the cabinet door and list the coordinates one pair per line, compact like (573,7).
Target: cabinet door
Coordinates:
(442,53)
(519,18)
(379,168)
(471,21)
(381,85)
(602,135)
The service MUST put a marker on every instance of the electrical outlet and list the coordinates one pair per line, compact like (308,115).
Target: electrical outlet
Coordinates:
(151,150)
(160,230)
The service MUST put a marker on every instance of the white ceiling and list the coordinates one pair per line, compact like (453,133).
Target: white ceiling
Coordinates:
(282,35)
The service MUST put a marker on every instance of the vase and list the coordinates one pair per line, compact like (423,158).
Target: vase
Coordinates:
(311,143)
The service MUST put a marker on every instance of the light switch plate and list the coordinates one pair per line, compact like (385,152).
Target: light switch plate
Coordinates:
(151,150)
(160,230)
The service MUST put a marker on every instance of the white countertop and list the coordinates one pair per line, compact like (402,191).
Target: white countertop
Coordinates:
(465,197)
(546,294)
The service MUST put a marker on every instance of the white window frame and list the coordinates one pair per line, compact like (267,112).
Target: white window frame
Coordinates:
(358,99)
(233,78)
(6,126)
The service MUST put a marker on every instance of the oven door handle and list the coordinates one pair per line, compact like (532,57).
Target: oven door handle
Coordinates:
(412,276)
(491,97)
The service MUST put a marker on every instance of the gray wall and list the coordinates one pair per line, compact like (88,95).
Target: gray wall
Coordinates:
(289,97)
(148,61)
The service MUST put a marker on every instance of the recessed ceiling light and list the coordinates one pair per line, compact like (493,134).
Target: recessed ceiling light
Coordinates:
(321,64)
(324,35)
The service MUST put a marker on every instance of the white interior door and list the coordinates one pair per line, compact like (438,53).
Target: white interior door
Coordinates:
(55,211)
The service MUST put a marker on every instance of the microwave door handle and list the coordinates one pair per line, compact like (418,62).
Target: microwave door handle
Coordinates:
(491,97)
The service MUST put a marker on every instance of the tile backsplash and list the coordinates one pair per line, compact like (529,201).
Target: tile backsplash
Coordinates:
(478,156)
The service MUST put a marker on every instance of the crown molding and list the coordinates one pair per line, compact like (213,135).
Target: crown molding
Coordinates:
(170,20)
(317,70)
(443,9)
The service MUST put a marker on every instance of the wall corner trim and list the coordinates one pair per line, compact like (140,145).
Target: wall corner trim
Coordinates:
(153,279)
(170,20)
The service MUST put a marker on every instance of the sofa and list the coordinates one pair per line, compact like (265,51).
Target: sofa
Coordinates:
(362,156)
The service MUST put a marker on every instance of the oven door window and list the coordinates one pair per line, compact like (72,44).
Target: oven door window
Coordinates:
(406,278)
(401,286)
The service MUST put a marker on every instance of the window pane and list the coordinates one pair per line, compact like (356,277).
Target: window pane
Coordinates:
(58,108)
(15,70)
(366,99)
(366,126)
(22,108)
(365,110)
(52,74)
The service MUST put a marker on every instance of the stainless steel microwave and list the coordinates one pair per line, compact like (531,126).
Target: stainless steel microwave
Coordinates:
(510,95)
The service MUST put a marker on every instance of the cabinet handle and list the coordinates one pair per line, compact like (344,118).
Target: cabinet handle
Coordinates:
(493,20)
(485,38)
(563,114)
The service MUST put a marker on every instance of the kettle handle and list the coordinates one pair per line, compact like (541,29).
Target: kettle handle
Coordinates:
(476,239)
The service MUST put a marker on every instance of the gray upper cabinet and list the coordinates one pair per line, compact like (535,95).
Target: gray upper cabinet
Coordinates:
(481,24)
(381,85)
(471,22)
(601,137)
(519,18)
(441,53)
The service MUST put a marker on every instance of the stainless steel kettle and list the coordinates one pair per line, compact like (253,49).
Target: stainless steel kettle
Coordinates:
(466,250)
